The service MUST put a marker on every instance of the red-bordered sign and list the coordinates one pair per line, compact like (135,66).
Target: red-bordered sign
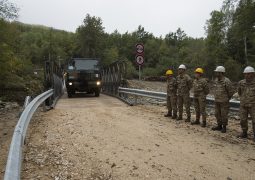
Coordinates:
(139,59)
(139,48)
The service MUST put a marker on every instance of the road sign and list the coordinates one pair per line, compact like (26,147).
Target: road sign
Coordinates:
(139,59)
(139,48)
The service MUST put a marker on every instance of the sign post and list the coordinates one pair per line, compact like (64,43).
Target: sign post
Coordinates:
(139,72)
(139,58)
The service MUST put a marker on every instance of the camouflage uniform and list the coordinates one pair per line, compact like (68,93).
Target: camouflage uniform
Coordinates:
(223,92)
(171,96)
(201,89)
(184,84)
(246,91)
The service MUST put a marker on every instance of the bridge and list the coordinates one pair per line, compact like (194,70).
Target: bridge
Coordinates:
(88,137)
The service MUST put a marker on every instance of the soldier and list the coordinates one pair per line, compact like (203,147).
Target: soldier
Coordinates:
(246,91)
(223,93)
(201,89)
(184,84)
(171,95)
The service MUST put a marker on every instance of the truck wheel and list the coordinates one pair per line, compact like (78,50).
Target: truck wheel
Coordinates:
(69,95)
(97,93)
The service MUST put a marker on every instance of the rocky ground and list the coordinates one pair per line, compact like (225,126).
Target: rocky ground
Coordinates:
(86,138)
(9,113)
(103,138)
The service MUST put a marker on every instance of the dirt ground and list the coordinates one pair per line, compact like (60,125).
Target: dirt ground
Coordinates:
(103,138)
(8,121)
(148,85)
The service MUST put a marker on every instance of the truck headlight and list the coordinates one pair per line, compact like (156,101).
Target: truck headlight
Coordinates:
(98,83)
(70,83)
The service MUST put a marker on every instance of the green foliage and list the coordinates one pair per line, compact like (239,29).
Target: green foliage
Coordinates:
(90,37)
(8,10)
(131,71)
(233,70)
(23,50)
(110,55)
(230,36)
(148,71)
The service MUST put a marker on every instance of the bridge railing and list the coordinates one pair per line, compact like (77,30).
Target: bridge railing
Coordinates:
(53,79)
(114,76)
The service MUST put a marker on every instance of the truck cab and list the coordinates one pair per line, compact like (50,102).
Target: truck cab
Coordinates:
(83,75)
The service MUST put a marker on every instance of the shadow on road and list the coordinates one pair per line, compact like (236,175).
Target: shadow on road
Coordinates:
(81,95)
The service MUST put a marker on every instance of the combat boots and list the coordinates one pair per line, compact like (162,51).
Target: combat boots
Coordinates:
(174,116)
(243,135)
(224,129)
(217,128)
(203,124)
(195,122)
(188,119)
(169,114)
(204,121)
(179,118)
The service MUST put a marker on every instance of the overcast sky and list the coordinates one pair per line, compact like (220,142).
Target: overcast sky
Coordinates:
(156,16)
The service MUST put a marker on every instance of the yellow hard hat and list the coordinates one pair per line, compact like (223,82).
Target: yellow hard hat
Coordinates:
(199,70)
(169,72)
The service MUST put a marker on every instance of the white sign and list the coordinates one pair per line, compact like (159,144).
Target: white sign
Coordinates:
(139,48)
(139,59)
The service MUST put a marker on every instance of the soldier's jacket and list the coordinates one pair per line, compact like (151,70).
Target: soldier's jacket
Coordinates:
(184,84)
(171,86)
(246,92)
(200,87)
(223,90)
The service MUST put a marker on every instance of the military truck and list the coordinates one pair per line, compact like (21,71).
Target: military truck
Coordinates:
(83,75)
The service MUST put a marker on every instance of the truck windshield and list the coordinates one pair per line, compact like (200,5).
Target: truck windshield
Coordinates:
(86,64)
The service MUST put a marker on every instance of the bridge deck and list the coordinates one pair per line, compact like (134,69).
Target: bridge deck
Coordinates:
(103,138)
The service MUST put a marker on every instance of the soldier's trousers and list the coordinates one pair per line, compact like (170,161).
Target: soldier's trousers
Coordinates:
(200,105)
(184,100)
(244,111)
(221,112)
(171,104)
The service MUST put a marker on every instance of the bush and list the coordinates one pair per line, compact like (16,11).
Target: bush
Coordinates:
(233,70)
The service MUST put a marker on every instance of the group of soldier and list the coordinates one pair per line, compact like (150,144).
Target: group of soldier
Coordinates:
(178,95)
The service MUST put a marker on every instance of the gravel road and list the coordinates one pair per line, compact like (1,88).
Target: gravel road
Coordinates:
(102,138)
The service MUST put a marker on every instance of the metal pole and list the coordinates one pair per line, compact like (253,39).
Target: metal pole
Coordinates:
(139,72)
(245,50)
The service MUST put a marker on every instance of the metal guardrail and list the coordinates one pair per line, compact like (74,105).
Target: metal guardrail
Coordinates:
(144,93)
(14,161)
(234,105)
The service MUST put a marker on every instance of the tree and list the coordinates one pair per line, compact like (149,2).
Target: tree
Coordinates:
(215,46)
(8,10)
(141,35)
(241,34)
(110,55)
(90,37)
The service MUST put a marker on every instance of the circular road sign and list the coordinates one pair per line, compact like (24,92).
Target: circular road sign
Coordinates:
(139,59)
(139,48)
